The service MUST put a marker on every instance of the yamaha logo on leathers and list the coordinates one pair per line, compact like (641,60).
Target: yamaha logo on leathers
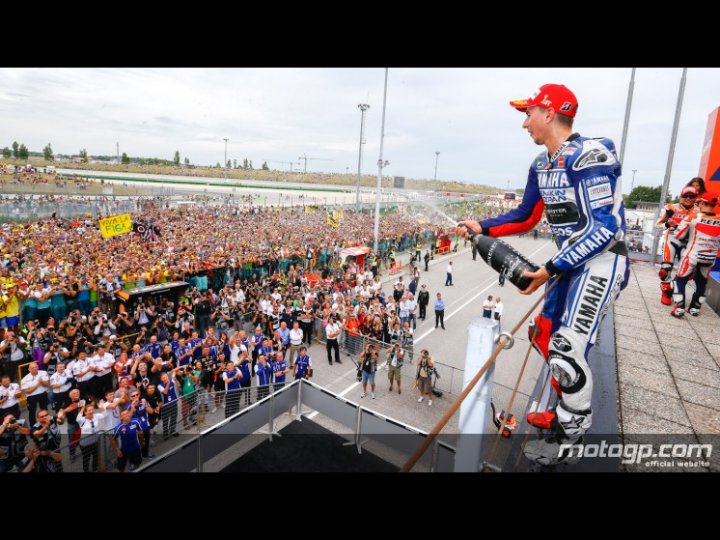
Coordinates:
(588,312)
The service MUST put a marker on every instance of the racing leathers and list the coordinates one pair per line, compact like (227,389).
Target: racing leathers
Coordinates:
(673,215)
(580,190)
(702,233)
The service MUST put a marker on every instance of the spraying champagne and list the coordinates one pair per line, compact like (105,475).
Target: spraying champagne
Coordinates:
(505,260)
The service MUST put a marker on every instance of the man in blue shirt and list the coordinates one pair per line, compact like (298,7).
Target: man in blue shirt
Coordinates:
(264,372)
(138,410)
(232,377)
(280,370)
(169,409)
(439,311)
(303,365)
(127,441)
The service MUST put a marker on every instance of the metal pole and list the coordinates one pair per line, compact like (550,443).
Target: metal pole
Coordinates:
(668,168)
(437,155)
(632,184)
(225,162)
(381,164)
(628,106)
(363,107)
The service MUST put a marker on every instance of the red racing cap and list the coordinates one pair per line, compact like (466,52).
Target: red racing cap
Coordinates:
(557,96)
(709,198)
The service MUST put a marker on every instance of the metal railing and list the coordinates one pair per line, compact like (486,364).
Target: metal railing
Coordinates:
(366,425)
(181,418)
(447,378)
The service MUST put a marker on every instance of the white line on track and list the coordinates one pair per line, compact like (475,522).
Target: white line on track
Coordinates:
(491,282)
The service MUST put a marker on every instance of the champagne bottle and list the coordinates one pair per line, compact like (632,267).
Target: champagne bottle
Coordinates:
(505,260)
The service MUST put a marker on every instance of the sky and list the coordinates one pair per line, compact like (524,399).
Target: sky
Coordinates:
(279,114)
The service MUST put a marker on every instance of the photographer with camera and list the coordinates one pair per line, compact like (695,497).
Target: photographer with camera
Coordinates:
(221,319)
(394,363)
(46,434)
(12,351)
(425,366)
(124,323)
(103,327)
(144,315)
(368,365)
(13,440)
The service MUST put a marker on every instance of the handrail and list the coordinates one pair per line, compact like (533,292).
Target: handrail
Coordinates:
(458,401)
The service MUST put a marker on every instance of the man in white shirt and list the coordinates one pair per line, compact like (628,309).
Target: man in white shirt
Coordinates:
(449,278)
(9,394)
(103,362)
(296,340)
(35,385)
(61,382)
(412,309)
(499,307)
(84,374)
(488,307)
(91,425)
(332,331)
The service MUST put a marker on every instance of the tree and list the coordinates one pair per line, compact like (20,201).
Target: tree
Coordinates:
(245,163)
(250,165)
(228,164)
(48,153)
(23,152)
(15,149)
(83,156)
(265,166)
(645,194)
(187,161)
(6,152)
(176,159)
(217,165)
(124,159)
(234,163)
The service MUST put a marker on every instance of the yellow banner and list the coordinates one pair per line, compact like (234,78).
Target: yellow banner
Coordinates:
(115,225)
(331,220)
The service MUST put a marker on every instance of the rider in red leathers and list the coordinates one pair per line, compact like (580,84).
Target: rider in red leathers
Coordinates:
(673,215)
(702,233)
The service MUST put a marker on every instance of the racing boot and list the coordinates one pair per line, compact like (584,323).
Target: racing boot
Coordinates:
(565,432)
(666,293)
(695,304)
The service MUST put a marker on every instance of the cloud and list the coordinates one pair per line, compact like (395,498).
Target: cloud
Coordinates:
(280,114)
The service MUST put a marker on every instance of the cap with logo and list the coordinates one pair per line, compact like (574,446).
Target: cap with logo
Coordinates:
(708,197)
(689,190)
(556,96)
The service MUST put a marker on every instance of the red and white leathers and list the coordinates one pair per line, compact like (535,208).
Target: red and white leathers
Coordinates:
(702,233)
(673,215)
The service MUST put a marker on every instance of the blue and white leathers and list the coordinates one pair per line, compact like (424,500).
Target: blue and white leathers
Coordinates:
(580,190)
